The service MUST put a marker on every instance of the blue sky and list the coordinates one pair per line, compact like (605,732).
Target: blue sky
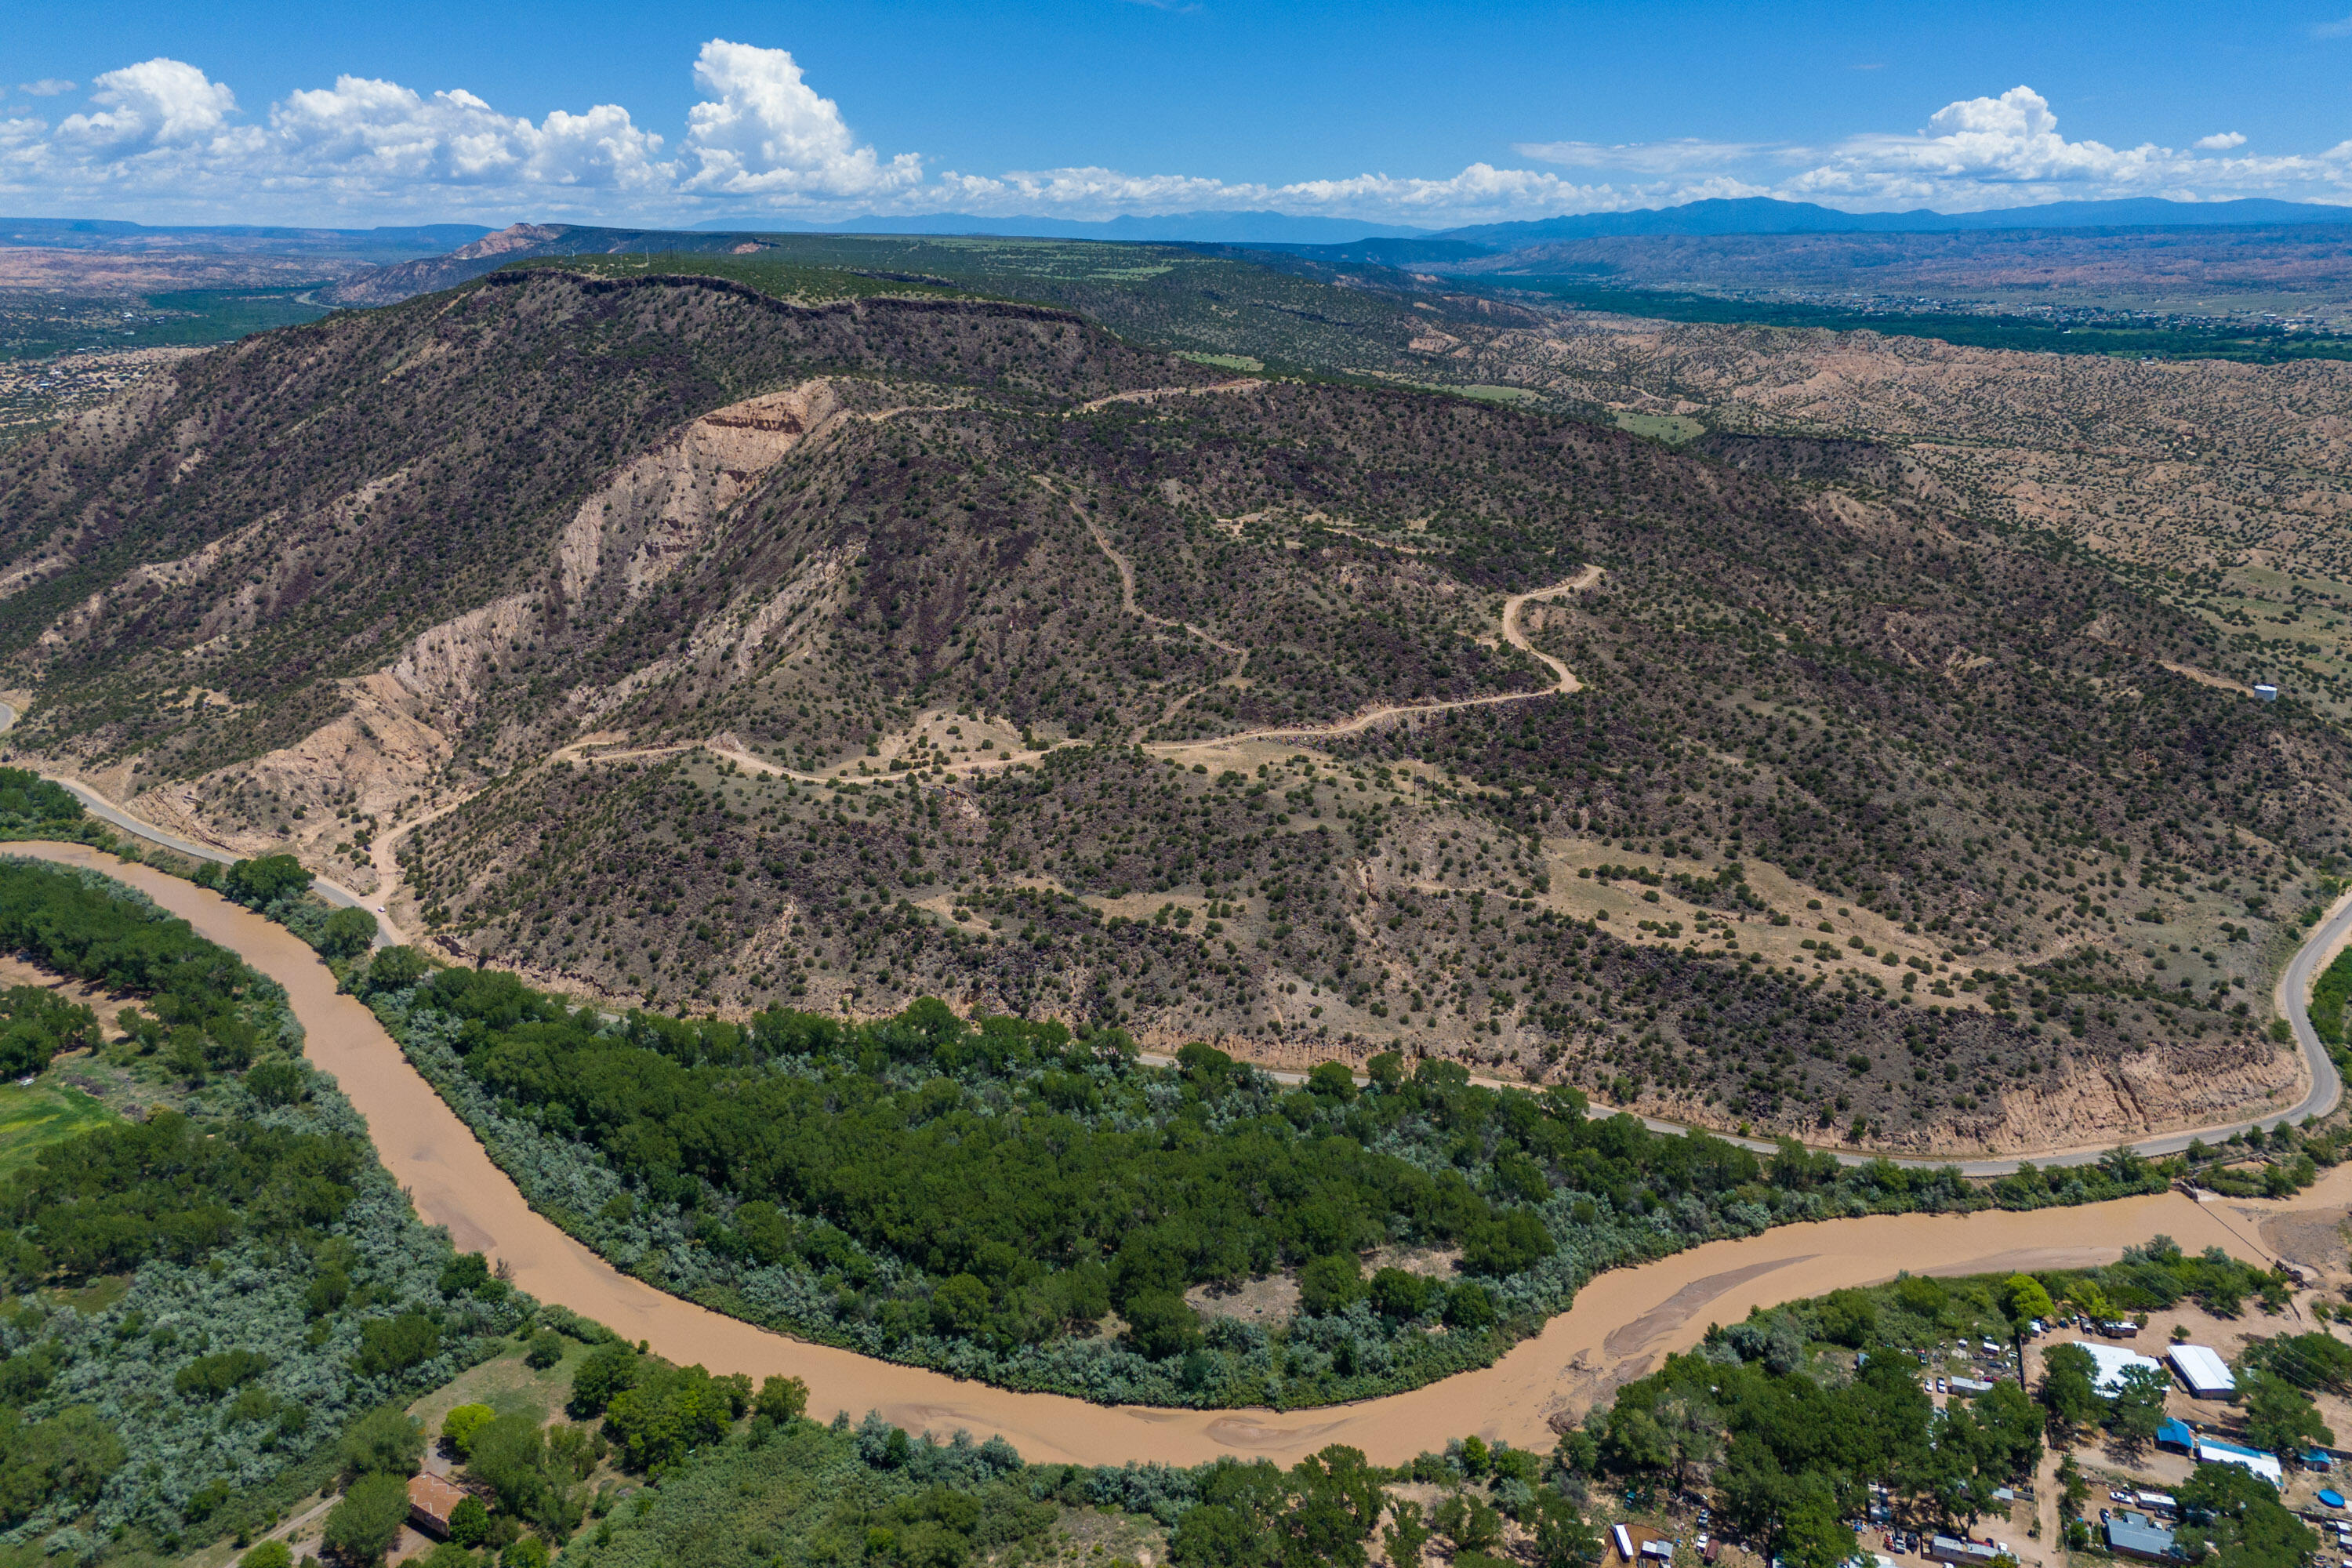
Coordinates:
(1431,113)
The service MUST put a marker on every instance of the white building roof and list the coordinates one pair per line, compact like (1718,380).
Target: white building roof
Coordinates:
(2112,1361)
(2263,1464)
(2205,1372)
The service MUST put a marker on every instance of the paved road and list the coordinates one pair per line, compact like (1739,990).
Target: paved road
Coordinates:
(106,811)
(2292,997)
(2293,1002)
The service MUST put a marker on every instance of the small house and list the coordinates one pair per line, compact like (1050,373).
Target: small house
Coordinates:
(1964,1553)
(431,1499)
(2133,1534)
(2176,1436)
(2212,1451)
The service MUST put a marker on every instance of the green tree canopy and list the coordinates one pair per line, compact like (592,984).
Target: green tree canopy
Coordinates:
(366,1521)
(2243,1524)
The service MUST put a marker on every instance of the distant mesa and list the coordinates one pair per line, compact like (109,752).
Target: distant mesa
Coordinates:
(1322,239)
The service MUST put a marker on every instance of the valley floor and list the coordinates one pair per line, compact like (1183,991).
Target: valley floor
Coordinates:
(1623,1322)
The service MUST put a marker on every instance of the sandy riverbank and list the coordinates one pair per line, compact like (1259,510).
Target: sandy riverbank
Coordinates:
(1622,1325)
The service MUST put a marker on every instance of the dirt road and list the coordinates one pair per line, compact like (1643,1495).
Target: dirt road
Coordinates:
(1153,394)
(1566,683)
(1622,1325)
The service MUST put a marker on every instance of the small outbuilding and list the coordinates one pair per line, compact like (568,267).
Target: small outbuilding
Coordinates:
(1640,1544)
(2202,1372)
(2176,1436)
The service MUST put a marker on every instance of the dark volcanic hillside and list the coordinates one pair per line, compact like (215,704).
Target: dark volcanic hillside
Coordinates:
(684,618)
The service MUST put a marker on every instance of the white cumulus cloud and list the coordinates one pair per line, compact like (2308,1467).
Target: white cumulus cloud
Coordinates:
(155,103)
(1983,145)
(2008,151)
(161,140)
(47,86)
(769,133)
(367,132)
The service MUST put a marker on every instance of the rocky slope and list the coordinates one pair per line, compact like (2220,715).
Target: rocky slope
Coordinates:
(677,630)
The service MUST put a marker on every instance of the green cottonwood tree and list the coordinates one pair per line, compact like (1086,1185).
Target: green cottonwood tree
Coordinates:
(362,1526)
(2279,1416)
(2068,1390)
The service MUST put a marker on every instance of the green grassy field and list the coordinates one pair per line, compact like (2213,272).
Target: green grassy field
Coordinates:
(1673,429)
(202,316)
(32,1117)
(2249,343)
(1225,362)
(39,325)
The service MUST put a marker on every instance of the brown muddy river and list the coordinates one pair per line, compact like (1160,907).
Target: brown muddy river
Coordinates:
(1622,1325)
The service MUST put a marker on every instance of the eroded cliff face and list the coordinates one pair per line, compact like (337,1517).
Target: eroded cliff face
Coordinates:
(2183,1084)
(624,542)
(389,751)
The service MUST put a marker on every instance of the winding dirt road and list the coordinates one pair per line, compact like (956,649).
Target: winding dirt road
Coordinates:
(1153,394)
(1566,683)
(1622,1325)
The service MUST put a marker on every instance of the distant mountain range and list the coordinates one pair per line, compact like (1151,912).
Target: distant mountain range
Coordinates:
(1767,214)
(1394,243)
(1199,228)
